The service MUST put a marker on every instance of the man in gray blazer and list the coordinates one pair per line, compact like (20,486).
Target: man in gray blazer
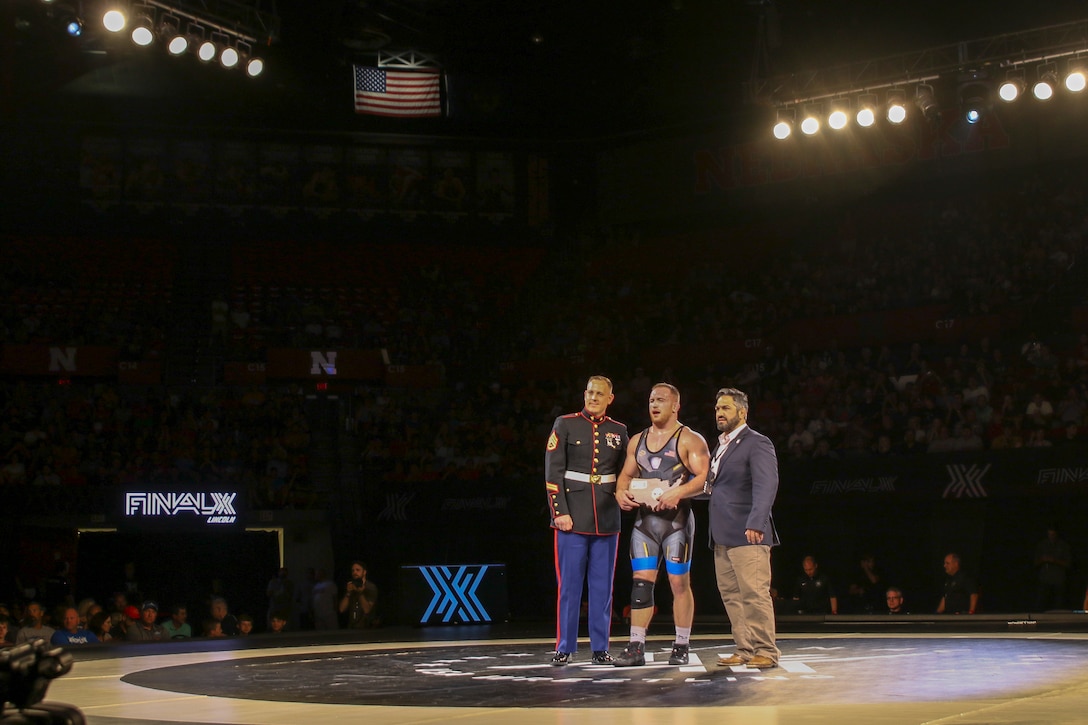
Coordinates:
(742,484)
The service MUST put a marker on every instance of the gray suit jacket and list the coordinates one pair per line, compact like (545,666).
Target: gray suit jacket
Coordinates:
(744,490)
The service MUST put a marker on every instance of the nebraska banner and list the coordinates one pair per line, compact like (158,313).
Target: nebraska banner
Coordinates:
(66,361)
(286,363)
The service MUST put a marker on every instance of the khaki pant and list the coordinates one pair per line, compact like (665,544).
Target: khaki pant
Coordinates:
(744,582)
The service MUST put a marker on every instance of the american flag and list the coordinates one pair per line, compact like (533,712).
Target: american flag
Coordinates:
(399,93)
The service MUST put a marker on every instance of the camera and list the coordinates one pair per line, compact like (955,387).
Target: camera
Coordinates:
(357,582)
(25,673)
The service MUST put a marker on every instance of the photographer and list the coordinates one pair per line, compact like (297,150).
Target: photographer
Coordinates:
(360,599)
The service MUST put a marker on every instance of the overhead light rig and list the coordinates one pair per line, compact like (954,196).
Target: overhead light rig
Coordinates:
(224,30)
(893,88)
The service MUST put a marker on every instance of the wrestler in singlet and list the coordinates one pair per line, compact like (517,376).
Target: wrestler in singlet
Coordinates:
(663,533)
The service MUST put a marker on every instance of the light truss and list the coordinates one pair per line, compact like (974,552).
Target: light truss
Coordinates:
(1002,52)
(406,59)
(254,22)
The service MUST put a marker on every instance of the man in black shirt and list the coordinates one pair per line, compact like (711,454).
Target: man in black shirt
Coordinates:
(960,592)
(813,591)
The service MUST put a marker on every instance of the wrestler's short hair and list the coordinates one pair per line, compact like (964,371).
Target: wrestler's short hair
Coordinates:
(670,387)
(600,379)
(740,398)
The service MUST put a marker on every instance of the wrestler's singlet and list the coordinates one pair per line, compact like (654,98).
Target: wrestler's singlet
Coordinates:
(667,534)
(666,466)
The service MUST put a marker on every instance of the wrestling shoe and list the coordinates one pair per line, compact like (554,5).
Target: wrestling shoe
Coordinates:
(601,657)
(561,659)
(679,655)
(633,655)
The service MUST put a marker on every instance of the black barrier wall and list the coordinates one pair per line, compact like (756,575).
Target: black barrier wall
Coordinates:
(991,508)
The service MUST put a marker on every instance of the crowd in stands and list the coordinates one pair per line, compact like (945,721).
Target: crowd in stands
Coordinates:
(61,291)
(51,612)
(517,332)
(1012,250)
(106,434)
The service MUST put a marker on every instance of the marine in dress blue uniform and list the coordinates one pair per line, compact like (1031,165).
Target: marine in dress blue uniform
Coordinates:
(584,454)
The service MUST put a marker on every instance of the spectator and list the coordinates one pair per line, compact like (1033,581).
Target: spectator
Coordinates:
(278,623)
(146,628)
(56,591)
(228,623)
(324,601)
(896,602)
(33,626)
(281,593)
(5,632)
(1039,412)
(212,629)
(1052,560)
(72,633)
(130,586)
(101,624)
(177,627)
(87,608)
(865,590)
(360,599)
(813,593)
(960,592)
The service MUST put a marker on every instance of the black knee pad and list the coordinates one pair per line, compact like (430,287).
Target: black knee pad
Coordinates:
(642,594)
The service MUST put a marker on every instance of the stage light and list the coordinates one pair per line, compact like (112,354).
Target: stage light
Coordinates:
(897,111)
(975,95)
(206,51)
(170,29)
(74,27)
(927,102)
(228,58)
(1044,87)
(866,115)
(1013,86)
(143,33)
(254,66)
(194,37)
(114,20)
(811,122)
(1075,79)
(839,116)
(783,127)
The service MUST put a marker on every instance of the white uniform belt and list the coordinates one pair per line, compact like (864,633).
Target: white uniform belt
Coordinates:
(590,478)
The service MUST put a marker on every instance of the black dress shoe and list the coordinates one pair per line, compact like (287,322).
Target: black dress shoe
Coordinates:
(561,659)
(601,657)
(679,655)
(633,655)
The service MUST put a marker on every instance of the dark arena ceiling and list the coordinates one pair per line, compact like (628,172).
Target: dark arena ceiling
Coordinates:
(563,69)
